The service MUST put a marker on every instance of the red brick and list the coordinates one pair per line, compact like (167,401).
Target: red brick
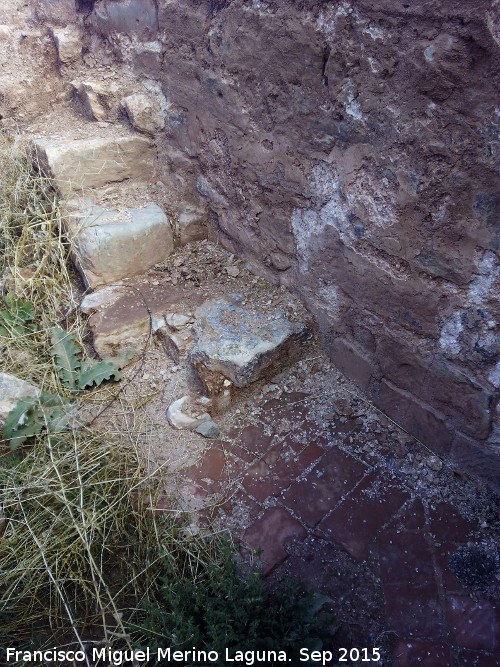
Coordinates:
(211,466)
(474,624)
(413,608)
(447,525)
(333,476)
(412,518)
(308,433)
(275,528)
(249,442)
(422,654)
(291,405)
(355,522)
(277,470)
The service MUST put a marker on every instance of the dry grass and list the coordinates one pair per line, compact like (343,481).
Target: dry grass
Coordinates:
(79,544)
(33,264)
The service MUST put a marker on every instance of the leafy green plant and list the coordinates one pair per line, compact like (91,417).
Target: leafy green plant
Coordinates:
(33,414)
(51,412)
(78,374)
(217,608)
(16,319)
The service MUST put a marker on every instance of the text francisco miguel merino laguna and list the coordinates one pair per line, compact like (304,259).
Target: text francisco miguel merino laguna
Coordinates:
(108,656)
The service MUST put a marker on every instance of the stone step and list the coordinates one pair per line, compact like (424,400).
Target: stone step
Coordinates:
(81,164)
(122,316)
(111,245)
(240,344)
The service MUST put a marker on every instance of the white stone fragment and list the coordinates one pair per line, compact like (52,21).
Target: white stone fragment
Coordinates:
(12,390)
(179,417)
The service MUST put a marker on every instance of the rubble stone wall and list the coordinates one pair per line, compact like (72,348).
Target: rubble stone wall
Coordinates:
(347,150)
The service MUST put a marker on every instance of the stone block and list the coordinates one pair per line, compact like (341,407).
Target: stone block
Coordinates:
(439,383)
(112,245)
(144,113)
(120,318)
(146,58)
(352,361)
(95,97)
(12,390)
(69,43)
(190,225)
(476,459)
(242,344)
(91,163)
(413,415)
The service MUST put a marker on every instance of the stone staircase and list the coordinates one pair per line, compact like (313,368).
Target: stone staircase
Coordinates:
(119,230)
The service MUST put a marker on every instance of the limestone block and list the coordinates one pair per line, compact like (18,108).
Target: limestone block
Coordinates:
(146,57)
(12,389)
(91,163)
(96,98)
(113,245)
(243,344)
(69,43)
(144,113)
(191,225)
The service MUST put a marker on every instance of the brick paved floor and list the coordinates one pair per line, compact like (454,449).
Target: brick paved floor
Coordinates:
(328,502)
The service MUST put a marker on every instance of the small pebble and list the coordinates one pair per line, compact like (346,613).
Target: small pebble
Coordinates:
(434,463)
(208,429)
(232,271)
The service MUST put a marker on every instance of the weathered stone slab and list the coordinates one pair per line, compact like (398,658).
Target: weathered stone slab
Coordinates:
(68,42)
(242,344)
(91,163)
(112,245)
(121,318)
(144,113)
(12,390)
(190,224)
(95,97)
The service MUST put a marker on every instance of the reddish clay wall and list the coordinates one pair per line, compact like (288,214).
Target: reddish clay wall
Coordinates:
(347,149)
